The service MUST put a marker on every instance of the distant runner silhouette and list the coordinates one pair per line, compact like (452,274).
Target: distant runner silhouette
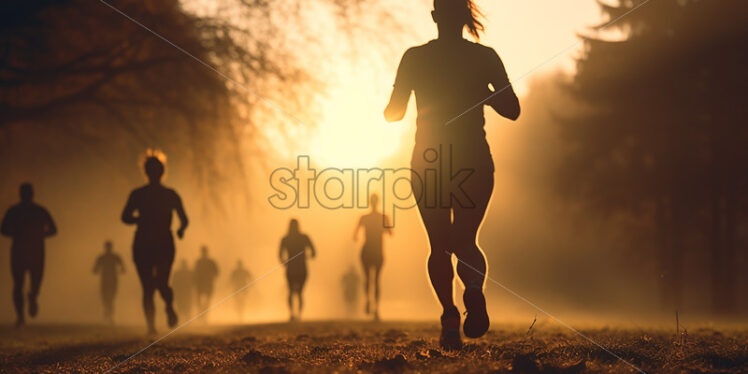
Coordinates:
(293,249)
(28,224)
(240,278)
(350,282)
(109,265)
(206,272)
(183,283)
(153,246)
(449,76)
(375,225)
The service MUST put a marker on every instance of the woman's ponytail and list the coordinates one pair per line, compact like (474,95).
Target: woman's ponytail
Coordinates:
(472,21)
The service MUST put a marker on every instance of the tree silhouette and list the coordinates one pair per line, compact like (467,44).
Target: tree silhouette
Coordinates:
(662,137)
(77,72)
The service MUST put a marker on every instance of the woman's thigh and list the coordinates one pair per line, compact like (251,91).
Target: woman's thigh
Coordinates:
(435,217)
(467,219)
(449,221)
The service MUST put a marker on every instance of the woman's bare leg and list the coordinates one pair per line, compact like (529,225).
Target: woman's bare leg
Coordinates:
(441,272)
(471,266)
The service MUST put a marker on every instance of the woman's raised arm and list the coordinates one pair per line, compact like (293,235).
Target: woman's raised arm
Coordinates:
(503,99)
(398,104)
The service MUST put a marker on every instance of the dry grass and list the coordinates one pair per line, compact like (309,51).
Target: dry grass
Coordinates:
(366,347)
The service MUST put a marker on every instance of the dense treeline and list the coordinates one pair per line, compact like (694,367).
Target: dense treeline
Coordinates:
(662,138)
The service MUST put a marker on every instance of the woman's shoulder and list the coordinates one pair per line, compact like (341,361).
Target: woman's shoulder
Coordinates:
(137,192)
(415,51)
(486,56)
(168,192)
(421,49)
(483,49)
(428,44)
(463,44)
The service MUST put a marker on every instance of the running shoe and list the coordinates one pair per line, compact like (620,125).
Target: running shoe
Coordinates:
(476,319)
(450,338)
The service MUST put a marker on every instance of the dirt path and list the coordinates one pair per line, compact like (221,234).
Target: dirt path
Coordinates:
(363,347)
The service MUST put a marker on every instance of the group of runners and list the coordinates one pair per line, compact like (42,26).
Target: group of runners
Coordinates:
(452,79)
(296,248)
(192,286)
(28,224)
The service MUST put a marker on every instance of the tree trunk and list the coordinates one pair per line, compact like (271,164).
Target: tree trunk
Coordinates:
(676,255)
(670,256)
(729,278)
(723,250)
(715,242)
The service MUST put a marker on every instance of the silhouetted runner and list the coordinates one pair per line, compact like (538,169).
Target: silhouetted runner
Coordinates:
(451,77)
(153,246)
(375,225)
(293,250)
(183,283)
(350,282)
(206,272)
(109,265)
(28,224)
(240,278)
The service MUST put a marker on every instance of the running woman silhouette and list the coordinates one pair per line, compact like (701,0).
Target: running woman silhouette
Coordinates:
(350,282)
(240,278)
(452,79)
(109,265)
(375,225)
(206,272)
(183,284)
(28,224)
(153,246)
(293,250)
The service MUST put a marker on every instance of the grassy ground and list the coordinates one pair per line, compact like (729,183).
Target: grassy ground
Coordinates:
(365,347)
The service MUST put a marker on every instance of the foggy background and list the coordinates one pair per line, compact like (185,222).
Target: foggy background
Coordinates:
(620,191)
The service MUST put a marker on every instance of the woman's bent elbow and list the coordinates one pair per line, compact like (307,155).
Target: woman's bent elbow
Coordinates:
(391,115)
(514,113)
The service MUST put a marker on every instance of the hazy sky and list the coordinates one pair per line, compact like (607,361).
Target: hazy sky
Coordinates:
(358,75)
(526,34)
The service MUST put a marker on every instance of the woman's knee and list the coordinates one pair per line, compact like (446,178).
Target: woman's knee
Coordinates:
(148,289)
(471,254)
(440,260)
(464,235)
